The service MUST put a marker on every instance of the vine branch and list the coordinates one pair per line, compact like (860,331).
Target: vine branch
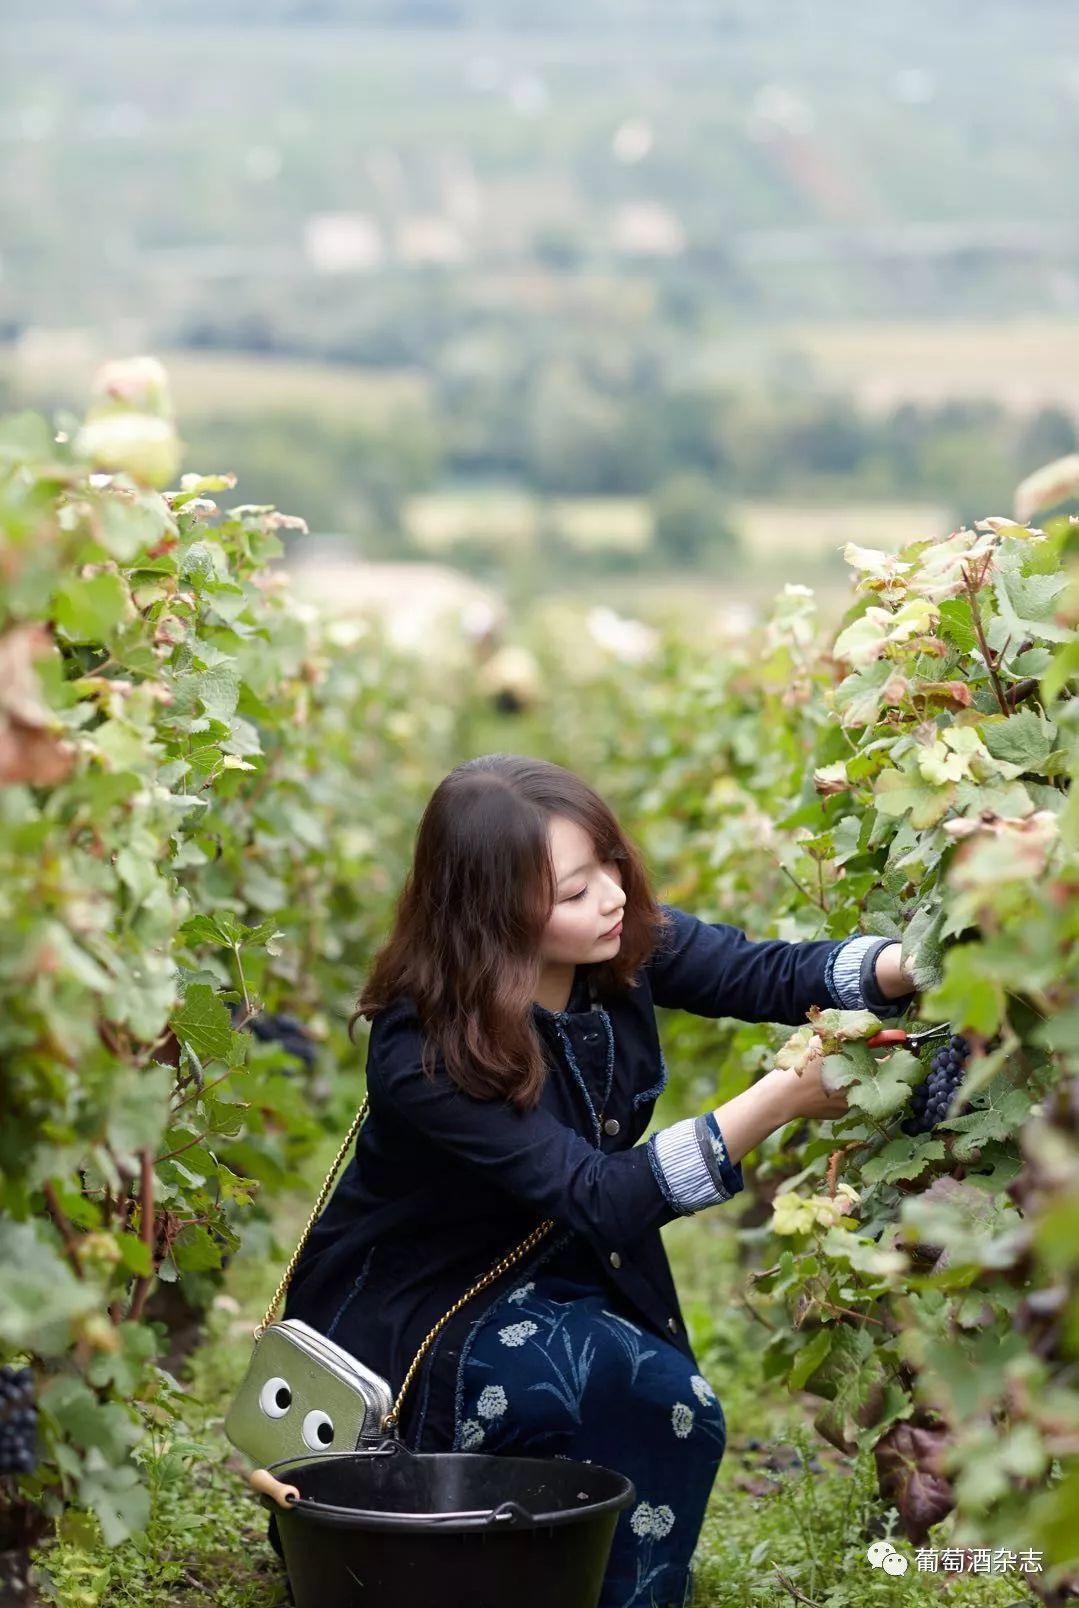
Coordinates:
(63,1226)
(146,1232)
(987,652)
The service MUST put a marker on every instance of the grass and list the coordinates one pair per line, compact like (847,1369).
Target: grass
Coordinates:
(789,1519)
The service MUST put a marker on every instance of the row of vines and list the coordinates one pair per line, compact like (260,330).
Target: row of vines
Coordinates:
(909,775)
(206,802)
(206,798)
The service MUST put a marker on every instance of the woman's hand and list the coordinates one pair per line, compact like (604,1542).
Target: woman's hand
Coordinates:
(808,1094)
(779,1097)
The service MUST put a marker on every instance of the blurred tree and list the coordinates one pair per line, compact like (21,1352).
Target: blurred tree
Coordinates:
(1049,434)
(575,446)
(692,530)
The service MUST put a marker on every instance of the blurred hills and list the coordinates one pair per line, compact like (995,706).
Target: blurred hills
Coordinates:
(194,165)
(563,291)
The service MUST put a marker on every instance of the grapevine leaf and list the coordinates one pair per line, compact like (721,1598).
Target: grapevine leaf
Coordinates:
(898,793)
(87,610)
(970,994)
(864,1255)
(40,1296)
(1008,798)
(860,696)
(1024,739)
(91,1424)
(121,1503)
(138,1109)
(1063,668)
(846,835)
(922,942)
(204,1023)
(970,1225)
(910,1469)
(957,624)
(809,1358)
(888,1089)
(999,1121)
(835,1026)
(902,1159)
(26,438)
(195,1250)
(1024,604)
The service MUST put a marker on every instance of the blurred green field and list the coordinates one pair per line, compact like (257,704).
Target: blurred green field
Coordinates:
(770,531)
(47,365)
(1023,363)
(510,519)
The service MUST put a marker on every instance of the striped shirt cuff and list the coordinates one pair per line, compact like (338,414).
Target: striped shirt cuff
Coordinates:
(692,1166)
(852,977)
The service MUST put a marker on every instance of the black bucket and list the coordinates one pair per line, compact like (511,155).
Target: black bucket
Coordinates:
(400,1529)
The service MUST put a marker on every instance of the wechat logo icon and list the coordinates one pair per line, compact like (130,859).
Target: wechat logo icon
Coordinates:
(882,1555)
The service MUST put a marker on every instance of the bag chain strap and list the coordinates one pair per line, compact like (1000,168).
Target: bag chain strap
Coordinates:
(391,1419)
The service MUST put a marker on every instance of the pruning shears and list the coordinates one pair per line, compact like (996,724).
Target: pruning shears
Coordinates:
(913,1041)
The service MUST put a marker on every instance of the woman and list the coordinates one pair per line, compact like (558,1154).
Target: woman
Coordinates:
(513,1064)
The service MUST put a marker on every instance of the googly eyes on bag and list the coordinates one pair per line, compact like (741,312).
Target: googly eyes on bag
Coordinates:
(275,1397)
(303,1393)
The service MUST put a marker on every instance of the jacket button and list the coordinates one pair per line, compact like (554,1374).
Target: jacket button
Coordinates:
(612,1126)
(672,1324)
(616,1260)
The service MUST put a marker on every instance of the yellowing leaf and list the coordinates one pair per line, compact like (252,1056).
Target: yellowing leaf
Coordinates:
(940,571)
(797,1214)
(939,766)
(828,779)
(865,638)
(796,1052)
(791,1214)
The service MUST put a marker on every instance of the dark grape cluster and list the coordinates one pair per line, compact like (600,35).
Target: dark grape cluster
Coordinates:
(288,1031)
(18,1422)
(931,1099)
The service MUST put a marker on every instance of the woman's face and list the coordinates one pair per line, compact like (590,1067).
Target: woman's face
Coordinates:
(588,902)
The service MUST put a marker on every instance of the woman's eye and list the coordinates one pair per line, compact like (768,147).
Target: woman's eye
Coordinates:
(578,895)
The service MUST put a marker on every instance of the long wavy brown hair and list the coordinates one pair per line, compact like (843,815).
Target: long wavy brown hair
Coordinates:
(472,910)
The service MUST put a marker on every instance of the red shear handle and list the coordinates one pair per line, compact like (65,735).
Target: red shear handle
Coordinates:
(889,1035)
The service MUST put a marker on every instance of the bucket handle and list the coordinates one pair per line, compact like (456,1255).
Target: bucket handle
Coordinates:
(289,1497)
(506,1512)
(510,1513)
(261,1480)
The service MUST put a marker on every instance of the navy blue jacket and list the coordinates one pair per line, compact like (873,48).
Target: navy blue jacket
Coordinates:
(441,1185)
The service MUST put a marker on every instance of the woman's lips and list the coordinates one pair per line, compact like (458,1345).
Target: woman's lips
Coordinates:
(617,928)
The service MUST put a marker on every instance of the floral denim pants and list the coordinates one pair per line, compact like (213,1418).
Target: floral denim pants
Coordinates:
(554,1370)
